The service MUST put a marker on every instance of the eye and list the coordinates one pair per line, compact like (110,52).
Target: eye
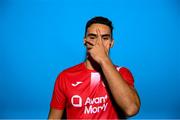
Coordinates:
(92,37)
(105,38)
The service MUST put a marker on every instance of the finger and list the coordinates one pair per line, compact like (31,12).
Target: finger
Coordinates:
(89,45)
(106,51)
(99,40)
(89,42)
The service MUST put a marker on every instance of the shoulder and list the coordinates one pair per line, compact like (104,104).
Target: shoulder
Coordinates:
(122,69)
(126,74)
(71,70)
(69,74)
(74,68)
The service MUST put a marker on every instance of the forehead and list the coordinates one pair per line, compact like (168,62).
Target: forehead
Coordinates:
(104,29)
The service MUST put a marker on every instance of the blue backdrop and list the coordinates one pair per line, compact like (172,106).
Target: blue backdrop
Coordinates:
(40,38)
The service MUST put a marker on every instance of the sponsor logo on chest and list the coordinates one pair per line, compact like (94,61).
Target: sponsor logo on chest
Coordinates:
(91,105)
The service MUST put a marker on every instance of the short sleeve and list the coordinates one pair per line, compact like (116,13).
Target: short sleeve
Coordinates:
(58,98)
(126,75)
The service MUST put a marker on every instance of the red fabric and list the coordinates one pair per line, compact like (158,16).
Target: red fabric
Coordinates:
(84,95)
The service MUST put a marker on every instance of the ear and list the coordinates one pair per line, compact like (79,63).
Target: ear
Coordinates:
(112,43)
(84,40)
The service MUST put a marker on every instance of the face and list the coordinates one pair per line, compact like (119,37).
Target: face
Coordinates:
(105,35)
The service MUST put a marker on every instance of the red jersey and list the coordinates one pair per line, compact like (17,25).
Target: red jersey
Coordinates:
(82,92)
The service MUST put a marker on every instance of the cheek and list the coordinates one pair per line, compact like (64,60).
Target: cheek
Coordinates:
(107,44)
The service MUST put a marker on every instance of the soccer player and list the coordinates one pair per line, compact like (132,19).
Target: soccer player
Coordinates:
(95,88)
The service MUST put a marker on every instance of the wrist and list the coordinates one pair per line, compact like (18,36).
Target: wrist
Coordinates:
(105,61)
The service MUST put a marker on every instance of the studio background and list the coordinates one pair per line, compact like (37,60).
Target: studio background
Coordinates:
(40,38)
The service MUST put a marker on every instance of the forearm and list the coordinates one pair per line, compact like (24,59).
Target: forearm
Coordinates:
(124,95)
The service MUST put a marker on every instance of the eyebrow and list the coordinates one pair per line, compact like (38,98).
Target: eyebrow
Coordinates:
(106,35)
(92,34)
(95,35)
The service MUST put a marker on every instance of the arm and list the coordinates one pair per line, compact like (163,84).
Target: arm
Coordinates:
(55,113)
(124,94)
(57,105)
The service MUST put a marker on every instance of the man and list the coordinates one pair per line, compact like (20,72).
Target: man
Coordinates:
(95,89)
